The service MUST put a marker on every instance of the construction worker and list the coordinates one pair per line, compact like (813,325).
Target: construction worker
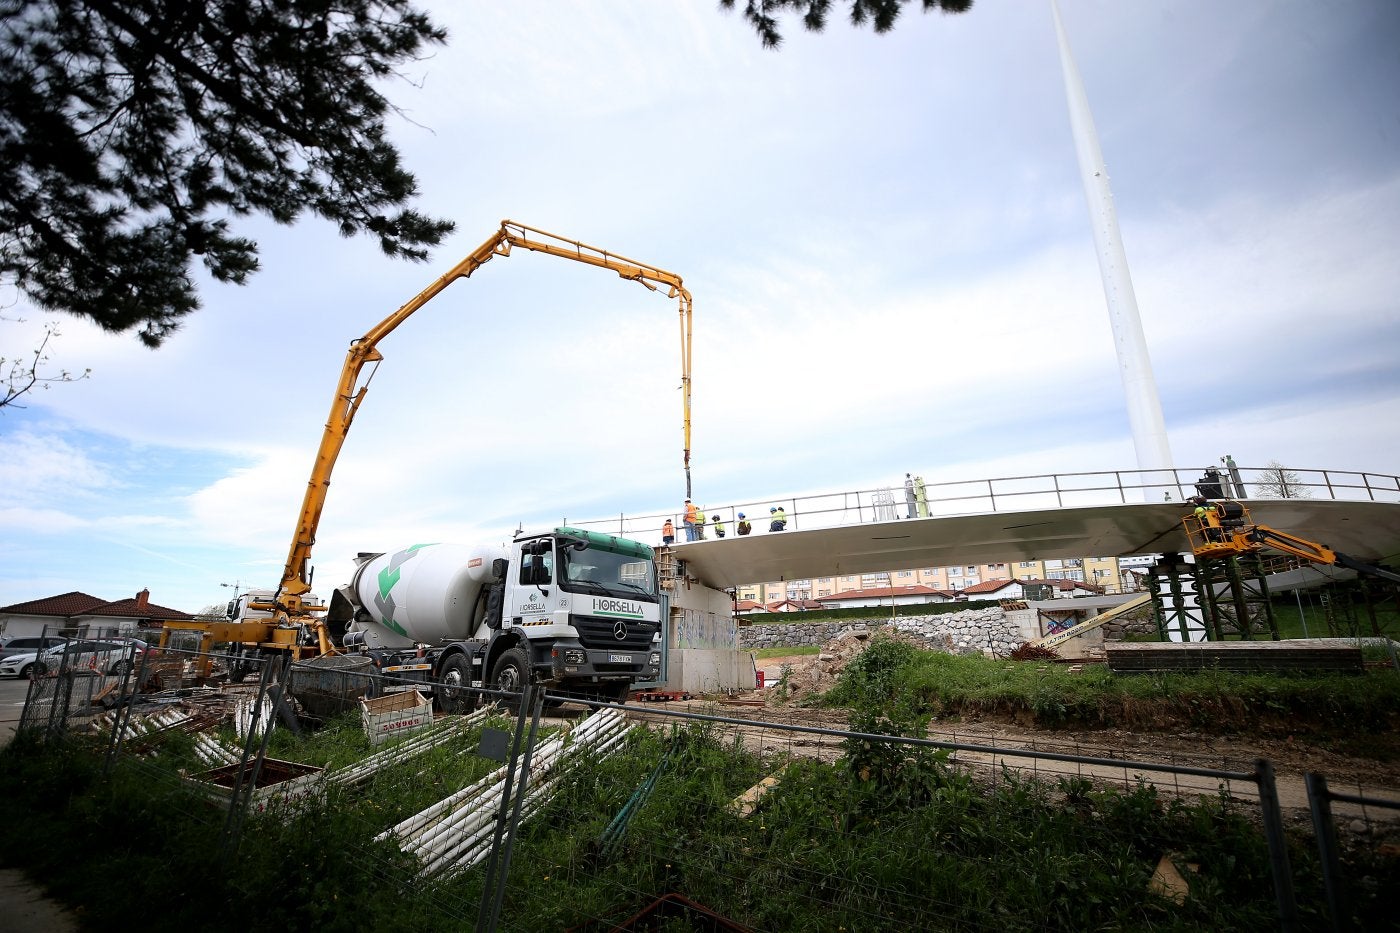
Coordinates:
(692,515)
(1203,512)
(744,526)
(778,518)
(668,533)
(717,525)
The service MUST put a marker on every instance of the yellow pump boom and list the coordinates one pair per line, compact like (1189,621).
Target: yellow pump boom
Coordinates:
(289,605)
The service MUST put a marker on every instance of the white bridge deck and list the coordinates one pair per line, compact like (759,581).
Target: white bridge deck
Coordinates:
(1019,518)
(1368,531)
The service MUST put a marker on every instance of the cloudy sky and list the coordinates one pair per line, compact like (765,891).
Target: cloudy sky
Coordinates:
(892,266)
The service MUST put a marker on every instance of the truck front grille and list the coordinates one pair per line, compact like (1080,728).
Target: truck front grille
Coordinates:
(600,634)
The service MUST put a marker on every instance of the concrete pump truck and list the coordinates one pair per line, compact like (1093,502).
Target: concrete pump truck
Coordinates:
(573,608)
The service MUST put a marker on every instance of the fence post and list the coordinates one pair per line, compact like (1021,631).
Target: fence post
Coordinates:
(62,698)
(498,863)
(1320,803)
(1278,845)
(124,705)
(247,773)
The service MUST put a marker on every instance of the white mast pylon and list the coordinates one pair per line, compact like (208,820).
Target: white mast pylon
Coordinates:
(1134,366)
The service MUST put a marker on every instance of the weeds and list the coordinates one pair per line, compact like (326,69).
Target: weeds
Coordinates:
(891,836)
(1049,695)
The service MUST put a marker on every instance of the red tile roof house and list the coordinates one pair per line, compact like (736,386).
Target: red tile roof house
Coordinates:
(79,614)
(882,595)
(1015,589)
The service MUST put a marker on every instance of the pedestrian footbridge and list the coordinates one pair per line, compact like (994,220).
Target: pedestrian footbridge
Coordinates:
(1023,518)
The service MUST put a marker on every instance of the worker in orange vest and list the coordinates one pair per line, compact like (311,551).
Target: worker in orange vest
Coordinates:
(668,533)
(692,516)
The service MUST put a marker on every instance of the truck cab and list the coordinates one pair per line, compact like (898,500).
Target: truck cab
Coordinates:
(587,603)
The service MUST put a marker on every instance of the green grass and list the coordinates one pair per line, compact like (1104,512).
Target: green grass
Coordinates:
(786,652)
(937,684)
(887,839)
(1311,622)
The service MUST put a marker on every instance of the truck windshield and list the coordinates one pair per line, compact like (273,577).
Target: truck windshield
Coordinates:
(594,570)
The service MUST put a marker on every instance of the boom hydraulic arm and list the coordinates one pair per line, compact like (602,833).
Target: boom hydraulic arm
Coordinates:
(350,392)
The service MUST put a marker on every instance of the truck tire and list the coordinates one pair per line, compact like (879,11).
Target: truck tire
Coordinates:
(510,673)
(238,665)
(451,692)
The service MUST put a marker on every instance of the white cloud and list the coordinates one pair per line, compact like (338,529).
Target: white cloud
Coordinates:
(39,466)
(17,521)
(892,270)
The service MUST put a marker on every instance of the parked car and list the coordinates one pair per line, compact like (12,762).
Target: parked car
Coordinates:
(27,644)
(84,656)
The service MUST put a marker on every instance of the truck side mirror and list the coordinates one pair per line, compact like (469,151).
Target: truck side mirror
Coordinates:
(499,568)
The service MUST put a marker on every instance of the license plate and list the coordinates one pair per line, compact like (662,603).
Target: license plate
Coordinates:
(620,658)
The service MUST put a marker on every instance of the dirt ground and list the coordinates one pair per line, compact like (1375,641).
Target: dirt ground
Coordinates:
(1370,763)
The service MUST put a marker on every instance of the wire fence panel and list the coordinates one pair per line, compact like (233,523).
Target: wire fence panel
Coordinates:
(707,816)
(1349,822)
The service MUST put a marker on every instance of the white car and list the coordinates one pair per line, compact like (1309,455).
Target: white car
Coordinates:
(97,657)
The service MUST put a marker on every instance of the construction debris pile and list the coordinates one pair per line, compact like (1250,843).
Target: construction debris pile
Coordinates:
(808,675)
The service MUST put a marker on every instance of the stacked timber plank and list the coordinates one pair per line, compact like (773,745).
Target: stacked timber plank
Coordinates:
(1297,654)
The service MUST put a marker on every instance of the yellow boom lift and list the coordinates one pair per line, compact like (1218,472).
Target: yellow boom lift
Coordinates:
(294,624)
(1222,528)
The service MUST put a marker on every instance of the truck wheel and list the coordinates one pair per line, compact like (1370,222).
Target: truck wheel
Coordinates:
(510,675)
(120,668)
(237,666)
(451,691)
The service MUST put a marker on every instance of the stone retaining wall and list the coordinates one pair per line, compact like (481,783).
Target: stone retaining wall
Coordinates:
(972,631)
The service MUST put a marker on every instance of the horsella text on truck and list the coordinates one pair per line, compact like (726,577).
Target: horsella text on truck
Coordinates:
(573,608)
(577,610)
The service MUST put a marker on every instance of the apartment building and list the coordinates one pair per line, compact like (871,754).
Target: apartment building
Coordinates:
(1098,571)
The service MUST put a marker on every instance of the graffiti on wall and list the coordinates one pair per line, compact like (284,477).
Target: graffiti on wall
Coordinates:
(694,628)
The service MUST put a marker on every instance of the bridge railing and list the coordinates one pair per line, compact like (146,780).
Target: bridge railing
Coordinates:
(1013,493)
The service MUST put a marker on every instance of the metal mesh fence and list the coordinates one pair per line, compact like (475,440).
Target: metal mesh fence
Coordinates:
(524,812)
